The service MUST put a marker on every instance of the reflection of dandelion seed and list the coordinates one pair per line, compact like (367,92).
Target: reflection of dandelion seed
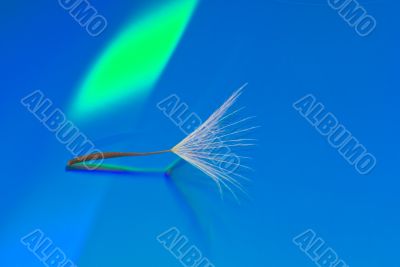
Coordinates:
(203,148)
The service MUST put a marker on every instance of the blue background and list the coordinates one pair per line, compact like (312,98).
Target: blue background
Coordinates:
(284,49)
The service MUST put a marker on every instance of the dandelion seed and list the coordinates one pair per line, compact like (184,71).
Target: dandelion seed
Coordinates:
(203,148)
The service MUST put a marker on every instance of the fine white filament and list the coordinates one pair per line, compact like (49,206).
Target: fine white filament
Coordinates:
(213,145)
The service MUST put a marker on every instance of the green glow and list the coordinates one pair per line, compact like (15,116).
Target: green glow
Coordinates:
(133,62)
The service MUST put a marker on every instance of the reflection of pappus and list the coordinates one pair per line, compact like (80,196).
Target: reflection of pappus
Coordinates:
(212,147)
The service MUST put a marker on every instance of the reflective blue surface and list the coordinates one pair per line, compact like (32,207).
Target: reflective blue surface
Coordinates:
(284,50)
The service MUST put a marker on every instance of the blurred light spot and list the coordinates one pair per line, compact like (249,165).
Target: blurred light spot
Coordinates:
(133,62)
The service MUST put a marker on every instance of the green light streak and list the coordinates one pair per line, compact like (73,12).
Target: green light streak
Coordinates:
(114,168)
(133,62)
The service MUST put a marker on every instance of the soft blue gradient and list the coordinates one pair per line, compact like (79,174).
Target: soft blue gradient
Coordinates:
(284,49)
